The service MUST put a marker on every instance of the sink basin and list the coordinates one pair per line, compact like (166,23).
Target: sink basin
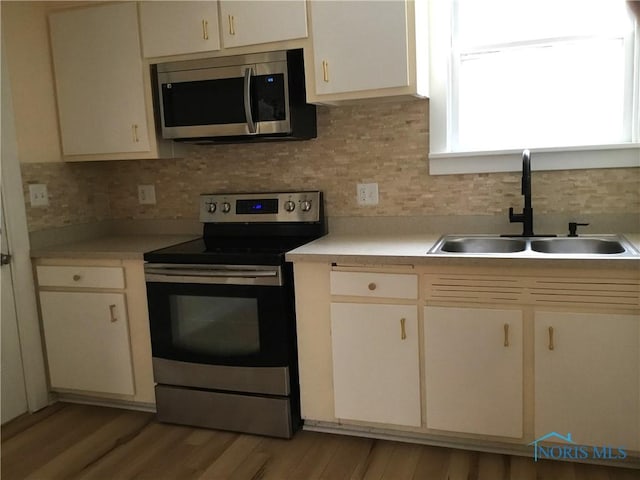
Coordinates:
(578,245)
(483,245)
(534,247)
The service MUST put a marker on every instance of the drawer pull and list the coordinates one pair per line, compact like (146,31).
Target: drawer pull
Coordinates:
(77,278)
(325,70)
(372,286)
(112,313)
(205,30)
(506,334)
(232,26)
(551,345)
(403,331)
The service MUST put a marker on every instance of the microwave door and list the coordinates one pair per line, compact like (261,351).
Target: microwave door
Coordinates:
(270,90)
(204,102)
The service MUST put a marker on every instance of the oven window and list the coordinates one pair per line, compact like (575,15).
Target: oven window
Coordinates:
(216,326)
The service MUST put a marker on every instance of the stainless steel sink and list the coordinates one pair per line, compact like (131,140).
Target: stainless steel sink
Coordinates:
(483,245)
(595,246)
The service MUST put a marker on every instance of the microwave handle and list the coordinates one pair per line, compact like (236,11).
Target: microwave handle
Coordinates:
(248,72)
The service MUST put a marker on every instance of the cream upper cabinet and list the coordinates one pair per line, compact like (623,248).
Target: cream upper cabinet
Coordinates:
(587,374)
(253,22)
(474,371)
(376,371)
(367,49)
(98,72)
(100,83)
(87,341)
(174,28)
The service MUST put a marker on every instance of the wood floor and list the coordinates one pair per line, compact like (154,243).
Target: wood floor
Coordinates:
(67,441)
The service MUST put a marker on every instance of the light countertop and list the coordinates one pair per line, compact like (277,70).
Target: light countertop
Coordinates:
(398,249)
(118,247)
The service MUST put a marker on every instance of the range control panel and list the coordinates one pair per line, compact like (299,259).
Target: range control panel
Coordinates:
(261,207)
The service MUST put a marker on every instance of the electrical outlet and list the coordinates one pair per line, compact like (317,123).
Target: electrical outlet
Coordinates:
(38,195)
(367,194)
(147,194)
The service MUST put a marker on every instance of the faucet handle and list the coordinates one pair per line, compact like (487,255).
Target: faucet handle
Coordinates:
(573,228)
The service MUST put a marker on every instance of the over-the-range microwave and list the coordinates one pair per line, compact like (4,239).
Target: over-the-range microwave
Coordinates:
(227,99)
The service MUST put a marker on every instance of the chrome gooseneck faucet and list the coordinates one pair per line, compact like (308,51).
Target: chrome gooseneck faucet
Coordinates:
(526,217)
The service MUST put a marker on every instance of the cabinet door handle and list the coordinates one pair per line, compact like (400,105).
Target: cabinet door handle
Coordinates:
(232,26)
(551,345)
(113,314)
(325,70)
(205,30)
(403,331)
(372,286)
(134,132)
(77,278)
(506,334)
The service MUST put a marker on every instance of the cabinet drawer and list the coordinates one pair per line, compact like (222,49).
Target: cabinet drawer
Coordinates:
(86,277)
(383,285)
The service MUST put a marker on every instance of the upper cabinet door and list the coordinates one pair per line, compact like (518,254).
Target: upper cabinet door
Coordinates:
(99,80)
(174,28)
(253,22)
(359,45)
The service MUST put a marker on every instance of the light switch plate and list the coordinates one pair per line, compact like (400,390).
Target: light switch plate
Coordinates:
(367,194)
(38,195)
(147,194)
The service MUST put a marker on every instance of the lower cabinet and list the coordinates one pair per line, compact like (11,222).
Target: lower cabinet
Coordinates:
(587,374)
(87,341)
(474,371)
(376,363)
(509,360)
(95,326)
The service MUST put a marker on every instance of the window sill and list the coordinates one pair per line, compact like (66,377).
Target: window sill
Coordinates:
(561,158)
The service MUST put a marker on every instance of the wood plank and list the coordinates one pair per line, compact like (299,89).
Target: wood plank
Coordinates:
(138,455)
(522,468)
(30,450)
(23,422)
(286,454)
(378,460)
(313,463)
(232,457)
(555,470)
(351,453)
(117,431)
(493,467)
(432,464)
(460,465)
(84,442)
(403,461)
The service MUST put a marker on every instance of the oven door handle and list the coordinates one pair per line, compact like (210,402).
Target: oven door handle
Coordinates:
(215,275)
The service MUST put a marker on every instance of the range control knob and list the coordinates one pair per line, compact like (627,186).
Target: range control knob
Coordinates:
(211,207)
(226,207)
(305,205)
(289,206)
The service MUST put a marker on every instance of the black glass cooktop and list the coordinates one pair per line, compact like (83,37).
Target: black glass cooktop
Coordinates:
(228,250)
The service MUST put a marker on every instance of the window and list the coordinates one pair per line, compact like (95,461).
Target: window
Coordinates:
(557,76)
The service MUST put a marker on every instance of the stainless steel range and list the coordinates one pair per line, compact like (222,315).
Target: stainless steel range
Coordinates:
(222,314)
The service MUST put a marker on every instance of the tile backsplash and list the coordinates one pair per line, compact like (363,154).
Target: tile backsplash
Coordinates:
(385,143)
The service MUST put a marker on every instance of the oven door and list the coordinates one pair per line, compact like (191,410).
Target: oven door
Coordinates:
(220,315)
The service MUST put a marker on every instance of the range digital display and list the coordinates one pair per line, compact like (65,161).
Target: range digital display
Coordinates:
(253,207)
